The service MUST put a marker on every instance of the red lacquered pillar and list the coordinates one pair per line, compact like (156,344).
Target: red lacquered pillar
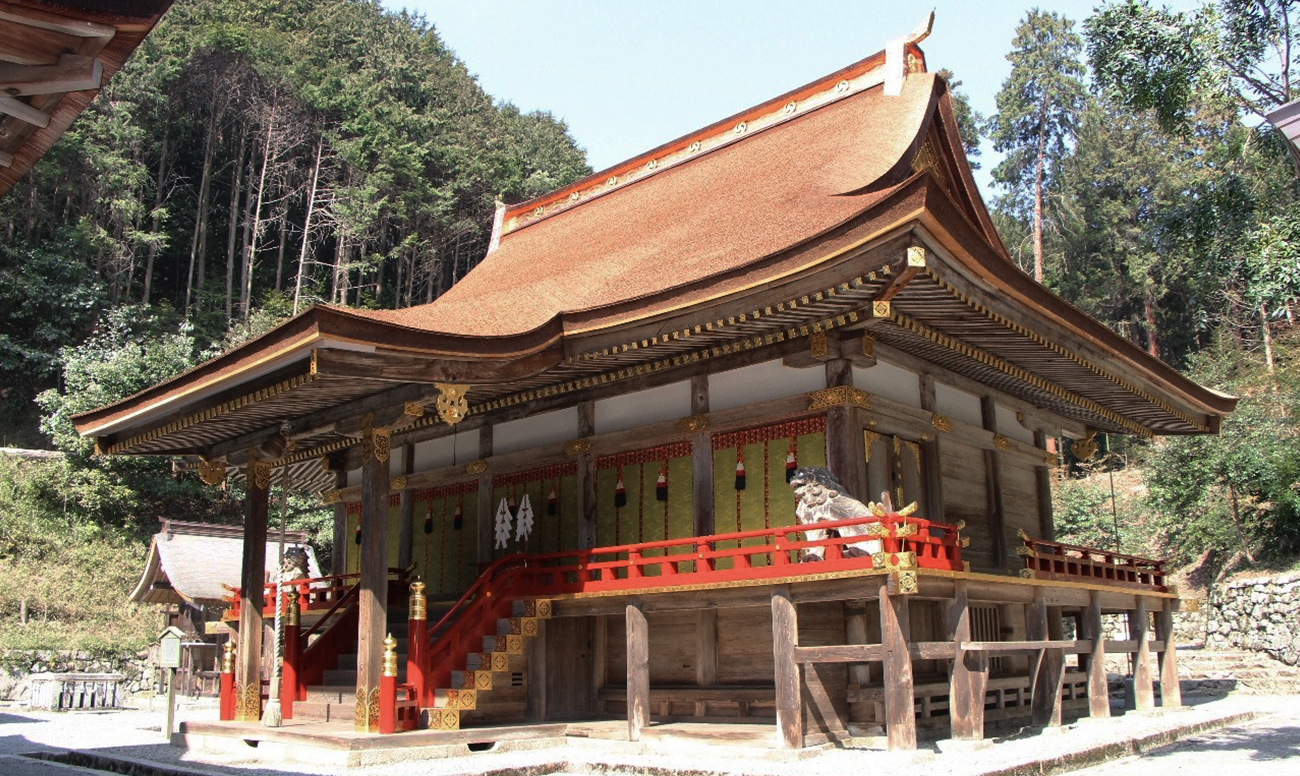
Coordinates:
(227,702)
(292,653)
(417,644)
(388,688)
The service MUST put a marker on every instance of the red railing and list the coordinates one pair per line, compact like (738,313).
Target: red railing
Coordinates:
(1068,562)
(752,555)
(315,594)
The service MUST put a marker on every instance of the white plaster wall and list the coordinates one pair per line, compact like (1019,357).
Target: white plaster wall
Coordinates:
(958,405)
(354,477)
(1008,425)
(667,402)
(760,382)
(445,451)
(543,429)
(892,382)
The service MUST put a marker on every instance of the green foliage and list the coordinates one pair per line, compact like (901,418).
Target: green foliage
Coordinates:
(970,122)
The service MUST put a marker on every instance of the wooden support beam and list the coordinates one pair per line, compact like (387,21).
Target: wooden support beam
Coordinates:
(1139,627)
(872,653)
(339,550)
(372,603)
(486,509)
(1047,668)
(1098,690)
(535,651)
(638,670)
(6,159)
(1171,694)
(895,630)
(931,458)
(406,523)
(970,673)
(706,647)
(855,632)
(429,369)
(248,679)
(600,650)
(55,22)
(1043,492)
(701,460)
(587,504)
(73,73)
(845,455)
(993,486)
(23,112)
(785,640)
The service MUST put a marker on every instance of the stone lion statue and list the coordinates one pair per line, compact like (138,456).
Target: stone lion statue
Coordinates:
(819,498)
(294,565)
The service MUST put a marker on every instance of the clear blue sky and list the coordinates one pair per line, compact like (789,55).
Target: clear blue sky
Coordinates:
(627,76)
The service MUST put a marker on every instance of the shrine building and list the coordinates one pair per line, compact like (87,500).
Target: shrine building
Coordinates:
(563,486)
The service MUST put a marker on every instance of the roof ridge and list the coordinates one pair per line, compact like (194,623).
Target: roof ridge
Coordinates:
(867,73)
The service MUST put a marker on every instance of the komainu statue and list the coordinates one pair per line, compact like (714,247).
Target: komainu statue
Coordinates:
(294,565)
(821,498)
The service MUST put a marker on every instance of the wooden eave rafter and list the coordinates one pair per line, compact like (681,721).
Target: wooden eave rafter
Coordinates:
(54,58)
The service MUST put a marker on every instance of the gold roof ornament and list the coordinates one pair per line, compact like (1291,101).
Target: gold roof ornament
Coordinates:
(452,406)
(212,472)
(1085,448)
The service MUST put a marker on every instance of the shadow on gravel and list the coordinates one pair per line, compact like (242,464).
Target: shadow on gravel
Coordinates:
(1279,743)
(11,719)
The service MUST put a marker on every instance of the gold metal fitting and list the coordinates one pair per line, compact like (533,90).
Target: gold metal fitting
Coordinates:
(293,613)
(418,607)
(228,659)
(390,656)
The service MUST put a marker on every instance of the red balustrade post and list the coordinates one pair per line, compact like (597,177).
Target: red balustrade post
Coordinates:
(633,564)
(702,561)
(388,688)
(227,702)
(292,656)
(417,643)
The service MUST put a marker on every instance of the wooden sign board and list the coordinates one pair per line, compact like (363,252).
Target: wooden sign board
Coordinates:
(169,652)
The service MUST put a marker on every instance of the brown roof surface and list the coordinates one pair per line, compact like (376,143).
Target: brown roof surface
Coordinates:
(701,219)
(197,559)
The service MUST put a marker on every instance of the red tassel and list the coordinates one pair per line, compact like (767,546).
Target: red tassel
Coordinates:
(428,519)
(740,469)
(552,503)
(357,537)
(791,463)
(457,522)
(661,484)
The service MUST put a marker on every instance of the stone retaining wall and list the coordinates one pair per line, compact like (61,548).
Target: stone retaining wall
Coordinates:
(1261,614)
(18,672)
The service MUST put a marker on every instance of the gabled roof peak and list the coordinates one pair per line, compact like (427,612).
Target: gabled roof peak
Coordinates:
(888,67)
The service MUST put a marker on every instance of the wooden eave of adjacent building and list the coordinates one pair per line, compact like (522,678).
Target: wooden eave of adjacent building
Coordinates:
(54,59)
(917,268)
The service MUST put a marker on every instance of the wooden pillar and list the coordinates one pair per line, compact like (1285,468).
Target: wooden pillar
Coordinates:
(372,603)
(586,479)
(339,549)
(486,507)
(706,652)
(845,456)
(600,651)
(1098,690)
(638,670)
(785,638)
(406,524)
(970,672)
(1171,694)
(993,486)
(900,697)
(702,460)
(1047,668)
(248,680)
(931,458)
(1139,627)
(1043,489)
(535,650)
(855,632)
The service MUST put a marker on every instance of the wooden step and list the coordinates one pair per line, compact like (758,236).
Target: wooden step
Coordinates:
(517,626)
(444,719)
(511,644)
(488,661)
(462,700)
(471,680)
(532,607)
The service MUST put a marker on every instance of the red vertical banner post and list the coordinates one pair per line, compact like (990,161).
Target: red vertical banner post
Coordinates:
(292,655)
(417,644)
(388,688)
(227,702)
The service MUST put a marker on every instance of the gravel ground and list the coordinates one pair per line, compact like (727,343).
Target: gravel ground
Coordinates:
(1268,742)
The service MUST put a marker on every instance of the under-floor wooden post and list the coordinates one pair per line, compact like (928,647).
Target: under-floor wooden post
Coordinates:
(1047,669)
(970,673)
(248,680)
(1171,694)
(900,696)
(855,632)
(638,670)
(1098,690)
(789,701)
(1139,627)
(706,653)
(372,601)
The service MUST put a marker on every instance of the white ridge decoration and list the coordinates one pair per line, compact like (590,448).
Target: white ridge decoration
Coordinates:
(524,526)
(502,525)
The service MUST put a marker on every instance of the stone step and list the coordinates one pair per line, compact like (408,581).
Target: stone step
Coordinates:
(341,676)
(320,710)
(332,693)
